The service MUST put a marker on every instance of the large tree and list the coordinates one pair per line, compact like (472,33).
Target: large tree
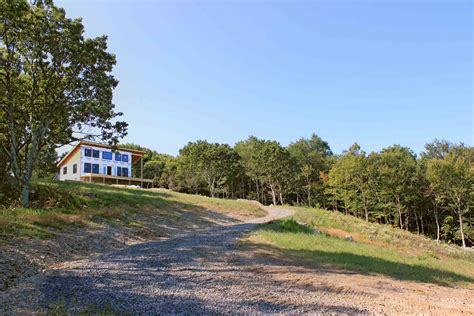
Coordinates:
(214,164)
(56,85)
(269,166)
(396,180)
(452,180)
(310,158)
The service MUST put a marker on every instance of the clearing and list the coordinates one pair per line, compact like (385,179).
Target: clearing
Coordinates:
(229,260)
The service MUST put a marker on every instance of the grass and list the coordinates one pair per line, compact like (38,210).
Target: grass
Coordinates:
(377,249)
(58,205)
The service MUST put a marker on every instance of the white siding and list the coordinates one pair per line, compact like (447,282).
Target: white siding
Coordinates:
(103,163)
(75,160)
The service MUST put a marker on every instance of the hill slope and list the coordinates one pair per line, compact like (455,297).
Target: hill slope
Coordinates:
(73,219)
(375,249)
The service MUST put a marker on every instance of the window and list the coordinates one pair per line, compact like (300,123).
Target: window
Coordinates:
(87,152)
(87,167)
(107,155)
(95,153)
(74,168)
(65,170)
(95,168)
(118,157)
(125,158)
(124,172)
(119,171)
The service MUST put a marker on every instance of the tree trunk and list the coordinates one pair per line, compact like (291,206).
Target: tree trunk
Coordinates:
(461,228)
(309,197)
(273,195)
(422,225)
(407,219)
(399,210)
(437,223)
(417,225)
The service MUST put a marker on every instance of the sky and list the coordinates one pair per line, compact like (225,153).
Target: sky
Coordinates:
(373,72)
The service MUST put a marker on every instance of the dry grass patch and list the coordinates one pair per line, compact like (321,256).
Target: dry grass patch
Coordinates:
(60,204)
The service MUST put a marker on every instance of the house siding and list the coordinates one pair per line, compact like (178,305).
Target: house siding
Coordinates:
(75,159)
(104,163)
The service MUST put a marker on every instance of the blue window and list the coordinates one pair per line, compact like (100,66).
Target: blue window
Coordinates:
(119,171)
(87,152)
(125,158)
(118,157)
(124,172)
(95,168)
(87,167)
(95,153)
(107,155)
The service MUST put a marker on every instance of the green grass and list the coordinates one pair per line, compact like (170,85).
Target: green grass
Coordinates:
(59,205)
(378,249)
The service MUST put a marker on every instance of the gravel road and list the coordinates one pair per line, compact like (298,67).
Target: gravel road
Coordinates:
(191,273)
(208,272)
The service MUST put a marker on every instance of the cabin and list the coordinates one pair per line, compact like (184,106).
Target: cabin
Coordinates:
(95,162)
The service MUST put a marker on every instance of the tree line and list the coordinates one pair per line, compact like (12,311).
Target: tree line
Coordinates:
(56,88)
(429,194)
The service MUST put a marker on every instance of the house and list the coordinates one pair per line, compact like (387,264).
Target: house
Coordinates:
(94,162)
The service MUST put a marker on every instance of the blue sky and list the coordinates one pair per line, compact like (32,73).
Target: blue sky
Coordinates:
(375,72)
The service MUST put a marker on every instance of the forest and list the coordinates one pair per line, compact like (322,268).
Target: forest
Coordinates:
(431,193)
(56,88)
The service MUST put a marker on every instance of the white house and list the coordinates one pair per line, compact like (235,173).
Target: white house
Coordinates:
(94,162)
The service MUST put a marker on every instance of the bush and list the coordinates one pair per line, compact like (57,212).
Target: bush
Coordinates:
(290,226)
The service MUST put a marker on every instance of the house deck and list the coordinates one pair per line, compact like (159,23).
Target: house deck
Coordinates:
(101,178)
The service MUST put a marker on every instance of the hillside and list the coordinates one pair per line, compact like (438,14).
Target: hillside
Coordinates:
(71,220)
(375,249)
(164,252)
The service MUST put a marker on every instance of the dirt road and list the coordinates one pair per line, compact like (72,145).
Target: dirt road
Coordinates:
(207,272)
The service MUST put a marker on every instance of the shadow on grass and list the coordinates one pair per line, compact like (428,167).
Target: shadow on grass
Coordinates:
(189,274)
(353,262)
(52,198)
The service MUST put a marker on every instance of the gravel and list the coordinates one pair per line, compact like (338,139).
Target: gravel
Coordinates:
(207,272)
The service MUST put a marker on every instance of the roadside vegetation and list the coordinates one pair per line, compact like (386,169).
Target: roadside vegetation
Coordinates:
(57,205)
(429,194)
(374,249)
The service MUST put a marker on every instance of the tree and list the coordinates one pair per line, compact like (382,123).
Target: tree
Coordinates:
(438,149)
(162,169)
(310,155)
(56,85)
(350,181)
(214,163)
(268,164)
(396,178)
(452,180)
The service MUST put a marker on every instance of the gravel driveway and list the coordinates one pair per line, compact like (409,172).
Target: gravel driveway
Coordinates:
(191,273)
(208,272)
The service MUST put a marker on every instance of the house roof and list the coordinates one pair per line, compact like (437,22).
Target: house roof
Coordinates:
(134,152)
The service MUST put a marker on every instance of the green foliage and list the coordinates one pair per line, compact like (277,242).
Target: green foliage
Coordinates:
(214,165)
(310,158)
(452,181)
(56,86)
(287,225)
